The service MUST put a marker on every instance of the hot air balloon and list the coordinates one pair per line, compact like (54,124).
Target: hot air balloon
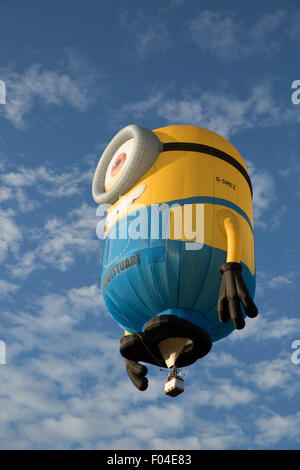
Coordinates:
(178,269)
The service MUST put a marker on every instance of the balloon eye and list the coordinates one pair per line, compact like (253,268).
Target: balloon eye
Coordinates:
(119,163)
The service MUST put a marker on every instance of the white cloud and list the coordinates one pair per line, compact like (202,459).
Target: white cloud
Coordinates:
(24,203)
(218,438)
(176,3)
(266,25)
(213,32)
(266,280)
(284,326)
(278,373)
(7,288)
(87,297)
(273,376)
(263,193)
(264,328)
(57,243)
(68,428)
(149,34)
(219,393)
(5,193)
(206,434)
(292,172)
(218,111)
(140,107)
(46,181)
(215,111)
(152,39)
(64,372)
(225,36)
(58,239)
(2,92)
(72,84)
(276,428)
(294,27)
(57,312)
(61,239)
(167,418)
(228,395)
(24,266)
(10,234)
(221,360)
(279,281)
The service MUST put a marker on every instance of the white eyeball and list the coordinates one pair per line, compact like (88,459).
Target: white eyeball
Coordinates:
(118,164)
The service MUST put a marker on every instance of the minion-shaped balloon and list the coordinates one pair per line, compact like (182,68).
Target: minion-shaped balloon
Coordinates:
(178,268)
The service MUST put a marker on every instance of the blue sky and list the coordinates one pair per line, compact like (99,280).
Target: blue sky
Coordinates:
(76,72)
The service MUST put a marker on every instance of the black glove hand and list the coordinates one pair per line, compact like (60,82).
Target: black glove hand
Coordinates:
(136,373)
(233,290)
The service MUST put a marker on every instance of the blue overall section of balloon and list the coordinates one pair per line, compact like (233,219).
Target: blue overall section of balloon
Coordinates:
(143,278)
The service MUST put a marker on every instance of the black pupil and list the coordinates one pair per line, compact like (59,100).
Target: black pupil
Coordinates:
(118,162)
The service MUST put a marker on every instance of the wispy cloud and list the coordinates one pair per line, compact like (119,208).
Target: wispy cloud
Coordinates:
(62,238)
(225,36)
(265,281)
(53,241)
(223,393)
(217,110)
(263,193)
(274,428)
(280,280)
(275,373)
(223,359)
(71,83)
(264,327)
(149,35)
(292,172)
(7,288)
(2,92)
(10,234)
(46,181)
(56,312)
(176,3)
(57,400)
(294,27)
(59,242)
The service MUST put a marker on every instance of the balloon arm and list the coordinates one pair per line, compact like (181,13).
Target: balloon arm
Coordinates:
(137,374)
(231,228)
(233,291)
